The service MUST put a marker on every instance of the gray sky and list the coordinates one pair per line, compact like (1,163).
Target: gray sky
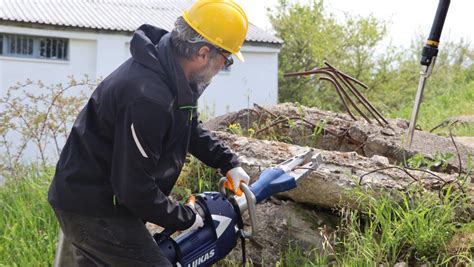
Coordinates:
(405,17)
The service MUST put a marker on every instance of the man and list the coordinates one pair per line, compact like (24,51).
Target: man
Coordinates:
(128,145)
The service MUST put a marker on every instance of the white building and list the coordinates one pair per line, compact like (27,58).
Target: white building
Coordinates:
(50,40)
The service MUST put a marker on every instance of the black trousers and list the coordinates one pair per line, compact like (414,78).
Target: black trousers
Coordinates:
(105,241)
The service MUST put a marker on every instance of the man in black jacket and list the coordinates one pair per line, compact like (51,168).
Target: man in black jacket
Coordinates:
(128,145)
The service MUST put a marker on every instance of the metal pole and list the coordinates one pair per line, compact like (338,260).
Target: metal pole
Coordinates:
(428,59)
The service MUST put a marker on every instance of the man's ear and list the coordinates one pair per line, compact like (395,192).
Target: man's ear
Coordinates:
(203,53)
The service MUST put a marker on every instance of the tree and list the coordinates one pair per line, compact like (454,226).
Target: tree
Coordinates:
(312,35)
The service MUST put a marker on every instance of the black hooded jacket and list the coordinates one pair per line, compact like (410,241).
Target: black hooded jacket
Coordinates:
(128,145)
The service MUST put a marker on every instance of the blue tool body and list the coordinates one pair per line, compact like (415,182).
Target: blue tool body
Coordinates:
(218,236)
(210,243)
(270,182)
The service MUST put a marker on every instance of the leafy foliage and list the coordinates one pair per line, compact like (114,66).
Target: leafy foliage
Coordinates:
(312,35)
(38,115)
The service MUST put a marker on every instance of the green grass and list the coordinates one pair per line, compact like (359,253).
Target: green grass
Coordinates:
(414,227)
(195,178)
(439,106)
(28,227)
(417,228)
(295,256)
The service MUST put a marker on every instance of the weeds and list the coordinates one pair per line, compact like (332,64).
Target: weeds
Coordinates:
(28,227)
(440,161)
(236,129)
(295,256)
(414,226)
(195,178)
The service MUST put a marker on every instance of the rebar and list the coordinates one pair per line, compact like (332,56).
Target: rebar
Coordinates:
(343,84)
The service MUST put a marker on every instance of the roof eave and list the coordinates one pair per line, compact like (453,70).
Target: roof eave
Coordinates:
(48,26)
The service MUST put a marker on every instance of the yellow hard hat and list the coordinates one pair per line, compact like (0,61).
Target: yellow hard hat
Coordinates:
(221,22)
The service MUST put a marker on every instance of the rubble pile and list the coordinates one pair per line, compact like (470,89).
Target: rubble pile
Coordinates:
(339,132)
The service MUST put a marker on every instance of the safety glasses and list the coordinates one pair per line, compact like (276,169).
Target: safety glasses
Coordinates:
(228,59)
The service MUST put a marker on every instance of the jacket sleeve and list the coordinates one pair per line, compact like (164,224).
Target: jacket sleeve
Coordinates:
(139,132)
(209,149)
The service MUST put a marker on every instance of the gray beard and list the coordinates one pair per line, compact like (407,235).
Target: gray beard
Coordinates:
(203,78)
(201,87)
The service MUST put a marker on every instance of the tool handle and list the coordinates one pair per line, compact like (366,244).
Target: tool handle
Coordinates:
(249,204)
(229,184)
(430,50)
(270,182)
(438,22)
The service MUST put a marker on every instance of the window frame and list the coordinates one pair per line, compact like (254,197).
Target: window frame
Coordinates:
(36,47)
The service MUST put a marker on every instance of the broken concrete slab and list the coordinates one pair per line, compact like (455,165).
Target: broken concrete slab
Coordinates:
(340,171)
(338,132)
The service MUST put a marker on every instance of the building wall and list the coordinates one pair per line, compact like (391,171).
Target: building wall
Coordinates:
(99,54)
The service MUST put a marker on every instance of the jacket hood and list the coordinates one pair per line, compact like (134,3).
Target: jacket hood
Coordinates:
(151,47)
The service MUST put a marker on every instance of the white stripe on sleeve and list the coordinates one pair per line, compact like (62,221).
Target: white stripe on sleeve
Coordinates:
(137,142)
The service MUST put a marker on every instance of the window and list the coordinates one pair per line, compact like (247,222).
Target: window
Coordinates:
(33,47)
(20,45)
(53,48)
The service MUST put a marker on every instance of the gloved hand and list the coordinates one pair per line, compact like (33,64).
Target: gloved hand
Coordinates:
(198,222)
(236,176)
